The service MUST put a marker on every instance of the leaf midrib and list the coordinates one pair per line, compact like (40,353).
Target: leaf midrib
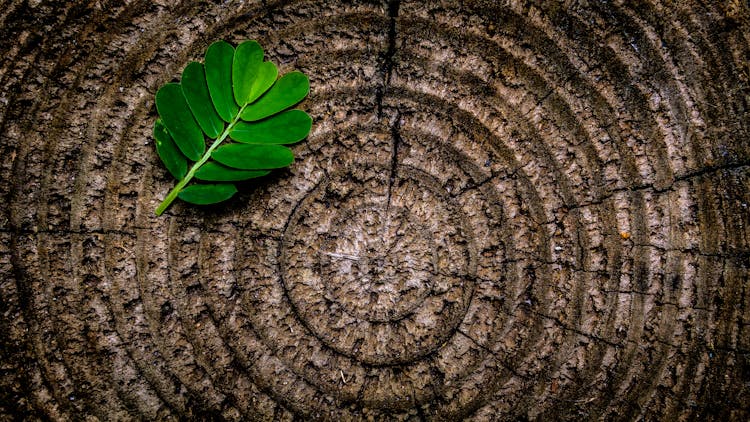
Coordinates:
(189,176)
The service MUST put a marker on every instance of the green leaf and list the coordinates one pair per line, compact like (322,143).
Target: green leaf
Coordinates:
(206,105)
(253,157)
(195,89)
(177,117)
(285,128)
(248,58)
(168,152)
(286,92)
(215,172)
(267,73)
(219,58)
(207,194)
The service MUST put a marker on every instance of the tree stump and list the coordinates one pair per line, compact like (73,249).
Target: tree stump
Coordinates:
(505,210)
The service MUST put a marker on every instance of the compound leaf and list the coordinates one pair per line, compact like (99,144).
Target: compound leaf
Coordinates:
(219,58)
(170,155)
(284,128)
(286,92)
(179,121)
(207,194)
(195,89)
(253,157)
(235,95)
(215,172)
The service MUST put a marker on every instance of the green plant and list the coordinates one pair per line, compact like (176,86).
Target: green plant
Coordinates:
(237,97)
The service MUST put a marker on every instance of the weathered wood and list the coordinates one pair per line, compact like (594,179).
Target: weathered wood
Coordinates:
(505,211)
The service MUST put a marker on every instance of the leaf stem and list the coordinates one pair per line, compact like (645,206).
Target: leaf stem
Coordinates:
(172,195)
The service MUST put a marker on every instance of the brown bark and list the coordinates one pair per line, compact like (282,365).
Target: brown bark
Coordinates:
(505,211)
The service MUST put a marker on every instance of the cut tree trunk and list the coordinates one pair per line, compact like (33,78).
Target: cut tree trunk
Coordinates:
(505,210)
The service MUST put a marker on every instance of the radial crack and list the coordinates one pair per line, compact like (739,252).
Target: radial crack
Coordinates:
(396,137)
(386,69)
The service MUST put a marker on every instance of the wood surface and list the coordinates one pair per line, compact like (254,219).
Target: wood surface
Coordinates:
(505,211)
